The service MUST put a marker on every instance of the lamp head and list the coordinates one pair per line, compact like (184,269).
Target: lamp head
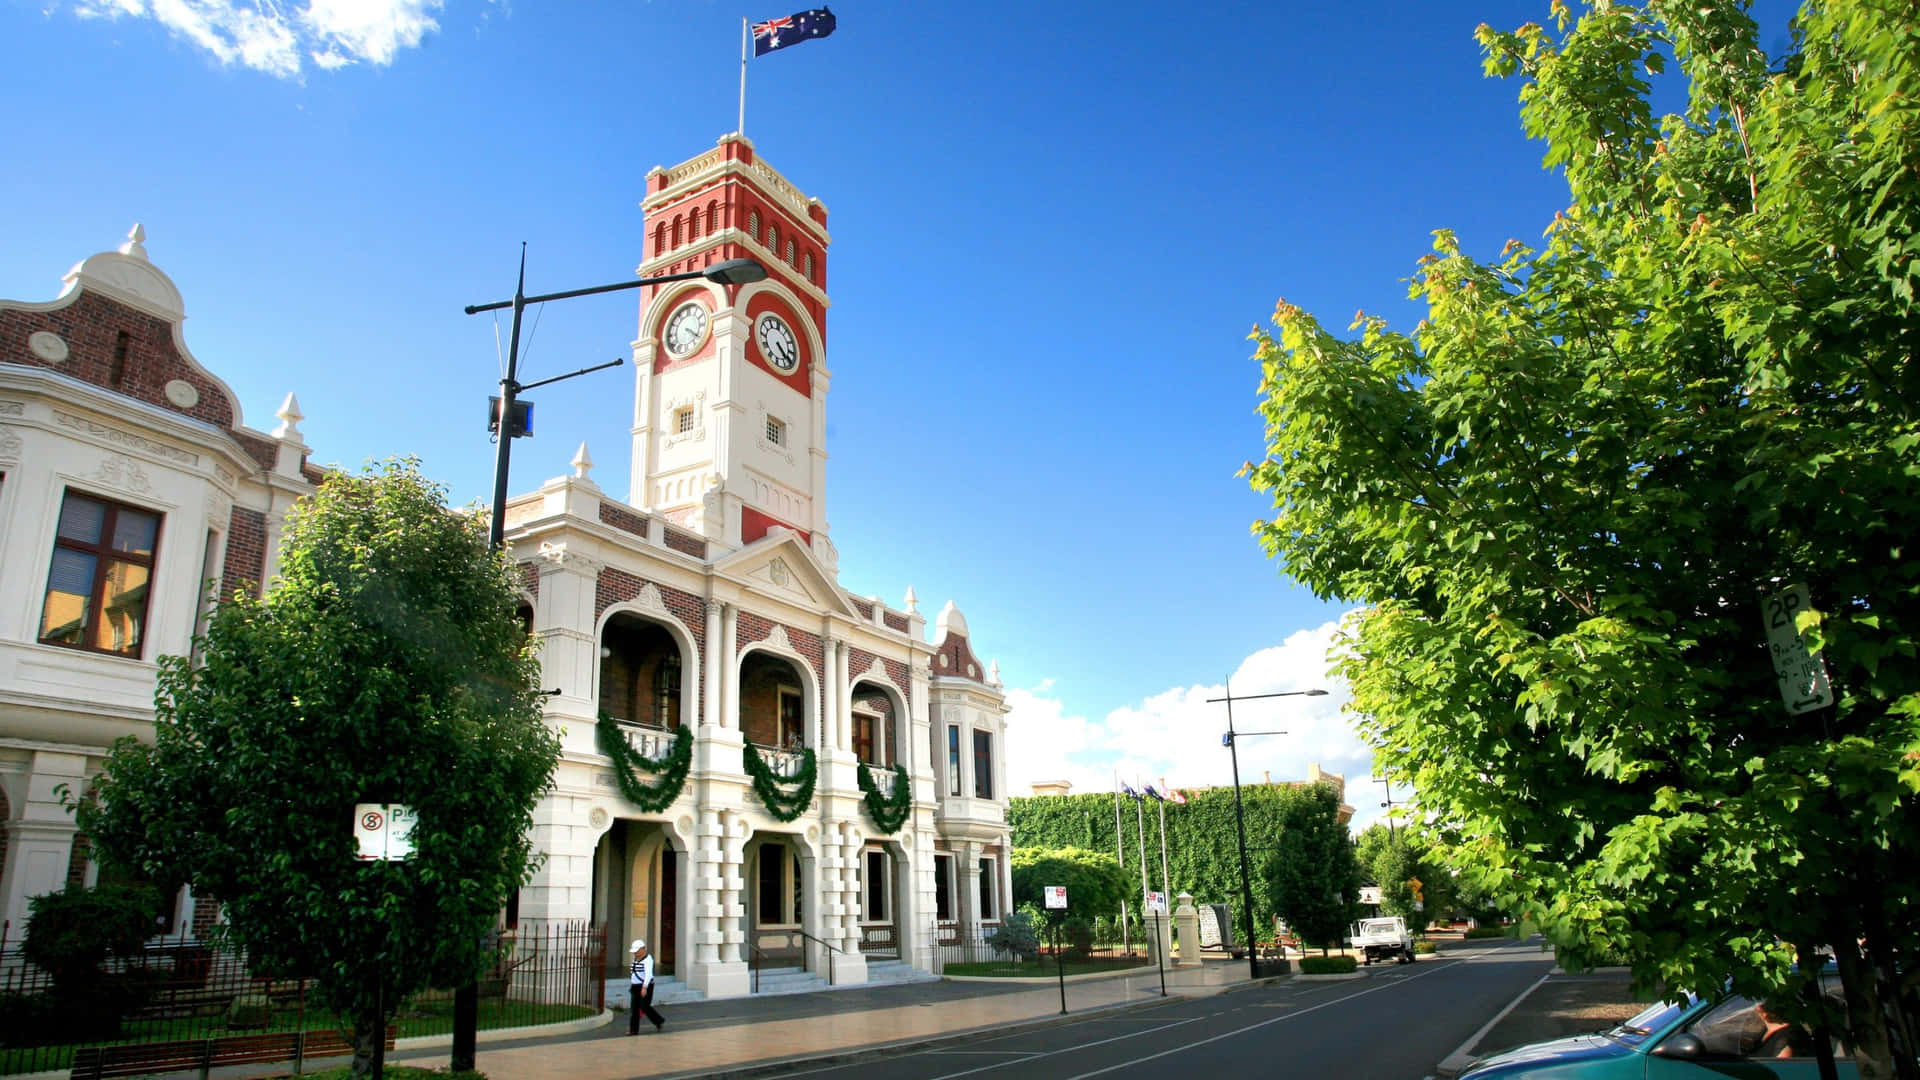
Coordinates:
(735,272)
(1316,693)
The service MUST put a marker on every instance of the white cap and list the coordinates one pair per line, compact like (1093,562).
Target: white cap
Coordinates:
(638,944)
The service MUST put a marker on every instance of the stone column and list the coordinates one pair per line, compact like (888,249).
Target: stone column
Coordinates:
(729,666)
(1186,919)
(827,734)
(713,864)
(714,714)
(851,965)
(843,713)
(40,835)
(967,912)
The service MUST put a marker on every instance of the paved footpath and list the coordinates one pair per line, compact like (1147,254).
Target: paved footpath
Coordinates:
(708,1037)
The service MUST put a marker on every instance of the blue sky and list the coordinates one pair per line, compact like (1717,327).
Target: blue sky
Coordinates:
(1053,227)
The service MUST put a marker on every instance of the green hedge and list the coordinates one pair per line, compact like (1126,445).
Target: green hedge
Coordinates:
(1486,932)
(1326,965)
(1202,856)
(1424,947)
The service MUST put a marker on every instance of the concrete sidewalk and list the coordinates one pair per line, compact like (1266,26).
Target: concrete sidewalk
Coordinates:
(735,1034)
(748,1035)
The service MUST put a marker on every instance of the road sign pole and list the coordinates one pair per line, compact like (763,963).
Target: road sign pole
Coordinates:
(1060,961)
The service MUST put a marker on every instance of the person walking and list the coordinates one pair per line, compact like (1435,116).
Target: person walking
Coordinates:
(640,990)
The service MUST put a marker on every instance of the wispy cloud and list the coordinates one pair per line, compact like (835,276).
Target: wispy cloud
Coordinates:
(281,39)
(1176,733)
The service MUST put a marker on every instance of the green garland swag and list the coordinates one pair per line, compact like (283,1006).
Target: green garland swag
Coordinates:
(672,769)
(890,811)
(784,805)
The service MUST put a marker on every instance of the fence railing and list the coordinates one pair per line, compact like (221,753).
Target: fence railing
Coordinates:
(182,989)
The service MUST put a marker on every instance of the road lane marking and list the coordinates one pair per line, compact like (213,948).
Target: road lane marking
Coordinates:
(1253,1027)
(1067,1049)
(1464,1050)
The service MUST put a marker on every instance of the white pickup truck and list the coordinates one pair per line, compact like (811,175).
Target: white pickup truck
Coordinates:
(1378,939)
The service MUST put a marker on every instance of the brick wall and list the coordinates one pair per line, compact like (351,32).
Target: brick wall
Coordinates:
(530,578)
(752,628)
(246,566)
(958,656)
(618,587)
(139,365)
(859,660)
(686,543)
(626,521)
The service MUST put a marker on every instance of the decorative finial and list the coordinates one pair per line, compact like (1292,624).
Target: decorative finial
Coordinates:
(136,242)
(912,602)
(582,462)
(993,679)
(289,413)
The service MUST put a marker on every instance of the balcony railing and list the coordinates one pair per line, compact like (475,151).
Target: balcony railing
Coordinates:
(647,740)
(784,763)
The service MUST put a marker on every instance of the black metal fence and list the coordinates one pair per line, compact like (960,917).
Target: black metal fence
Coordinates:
(543,972)
(956,944)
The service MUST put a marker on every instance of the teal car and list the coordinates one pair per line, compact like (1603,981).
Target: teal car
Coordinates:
(1700,1040)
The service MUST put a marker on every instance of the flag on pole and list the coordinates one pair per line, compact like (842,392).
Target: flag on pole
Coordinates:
(1173,796)
(1155,795)
(1131,794)
(792,30)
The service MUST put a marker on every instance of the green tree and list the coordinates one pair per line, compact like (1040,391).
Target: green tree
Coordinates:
(1564,501)
(386,665)
(1313,879)
(1095,885)
(1386,856)
(1202,853)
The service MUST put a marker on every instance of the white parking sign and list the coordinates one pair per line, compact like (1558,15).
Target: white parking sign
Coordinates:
(382,831)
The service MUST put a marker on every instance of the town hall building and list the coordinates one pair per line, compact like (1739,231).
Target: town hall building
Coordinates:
(759,770)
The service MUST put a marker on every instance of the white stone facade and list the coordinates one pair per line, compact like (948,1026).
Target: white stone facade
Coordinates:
(102,406)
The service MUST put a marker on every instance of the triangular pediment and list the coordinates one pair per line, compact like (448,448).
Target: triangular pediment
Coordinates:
(779,564)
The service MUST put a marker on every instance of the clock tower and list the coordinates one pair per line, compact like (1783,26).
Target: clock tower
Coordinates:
(729,417)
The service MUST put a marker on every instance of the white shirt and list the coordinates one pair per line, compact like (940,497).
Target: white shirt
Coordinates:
(642,971)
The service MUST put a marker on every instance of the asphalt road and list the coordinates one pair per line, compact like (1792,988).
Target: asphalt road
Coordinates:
(1397,1023)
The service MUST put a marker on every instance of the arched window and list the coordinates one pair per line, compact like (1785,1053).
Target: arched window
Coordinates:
(660,238)
(678,225)
(753,224)
(773,240)
(713,215)
(809,271)
(693,224)
(790,253)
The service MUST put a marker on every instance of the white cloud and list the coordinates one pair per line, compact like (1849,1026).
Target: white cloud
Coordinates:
(1176,734)
(266,36)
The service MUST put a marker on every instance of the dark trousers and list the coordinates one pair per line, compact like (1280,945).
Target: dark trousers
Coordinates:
(639,1001)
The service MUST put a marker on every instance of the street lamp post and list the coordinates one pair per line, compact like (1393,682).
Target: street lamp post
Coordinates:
(1230,739)
(730,272)
(466,999)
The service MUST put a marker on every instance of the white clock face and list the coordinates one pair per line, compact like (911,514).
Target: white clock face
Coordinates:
(777,343)
(686,328)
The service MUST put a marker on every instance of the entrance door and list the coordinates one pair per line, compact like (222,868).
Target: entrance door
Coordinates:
(669,909)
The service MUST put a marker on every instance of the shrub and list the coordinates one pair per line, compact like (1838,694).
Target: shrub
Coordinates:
(1326,965)
(1424,947)
(1076,937)
(249,1011)
(75,929)
(1016,936)
(1485,932)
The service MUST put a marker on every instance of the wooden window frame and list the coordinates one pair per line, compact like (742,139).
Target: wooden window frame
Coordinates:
(105,557)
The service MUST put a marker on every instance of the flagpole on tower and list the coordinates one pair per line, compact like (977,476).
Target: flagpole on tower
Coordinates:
(742,129)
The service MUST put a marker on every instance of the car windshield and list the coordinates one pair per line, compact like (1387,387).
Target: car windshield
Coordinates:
(1649,1020)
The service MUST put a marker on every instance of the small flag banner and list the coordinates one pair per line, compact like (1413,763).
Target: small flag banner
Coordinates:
(792,30)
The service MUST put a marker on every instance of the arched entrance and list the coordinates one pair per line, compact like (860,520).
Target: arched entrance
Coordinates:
(636,888)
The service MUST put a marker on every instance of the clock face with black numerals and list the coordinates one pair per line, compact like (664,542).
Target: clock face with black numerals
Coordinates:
(686,328)
(777,342)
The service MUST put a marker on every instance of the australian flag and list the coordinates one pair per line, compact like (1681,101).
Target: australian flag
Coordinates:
(792,30)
